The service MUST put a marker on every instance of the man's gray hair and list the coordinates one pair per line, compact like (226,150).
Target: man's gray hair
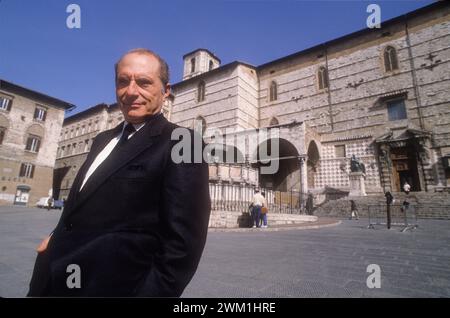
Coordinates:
(163,67)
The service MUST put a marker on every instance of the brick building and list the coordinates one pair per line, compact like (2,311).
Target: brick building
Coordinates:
(30,125)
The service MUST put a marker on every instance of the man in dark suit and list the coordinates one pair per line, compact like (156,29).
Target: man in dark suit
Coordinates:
(135,222)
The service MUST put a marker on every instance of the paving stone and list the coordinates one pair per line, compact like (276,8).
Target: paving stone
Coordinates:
(324,262)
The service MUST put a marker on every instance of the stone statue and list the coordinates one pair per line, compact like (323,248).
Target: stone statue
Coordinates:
(356,165)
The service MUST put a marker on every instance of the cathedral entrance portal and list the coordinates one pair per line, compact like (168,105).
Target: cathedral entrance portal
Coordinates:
(404,168)
(403,157)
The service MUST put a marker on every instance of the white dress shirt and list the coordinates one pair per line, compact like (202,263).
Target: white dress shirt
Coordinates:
(107,151)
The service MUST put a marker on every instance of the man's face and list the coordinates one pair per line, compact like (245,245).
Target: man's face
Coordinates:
(139,90)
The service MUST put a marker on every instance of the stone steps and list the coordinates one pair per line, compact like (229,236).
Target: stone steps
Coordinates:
(425,205)
(229,219)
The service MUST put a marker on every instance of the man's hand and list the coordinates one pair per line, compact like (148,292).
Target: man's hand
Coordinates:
(43,246)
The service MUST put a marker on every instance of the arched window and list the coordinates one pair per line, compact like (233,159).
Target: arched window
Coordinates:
(2,134)
(201,92)
(200,124)
(322,76)
(34,136)
(273,122)
(4,124)
(211,65)
(193,65)
(390,59)
(273,91)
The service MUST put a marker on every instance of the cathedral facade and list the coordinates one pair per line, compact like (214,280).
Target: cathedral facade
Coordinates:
(381,95)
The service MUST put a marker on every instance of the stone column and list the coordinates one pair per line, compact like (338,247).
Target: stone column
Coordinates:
(303,174)
(439,168)
(303,188)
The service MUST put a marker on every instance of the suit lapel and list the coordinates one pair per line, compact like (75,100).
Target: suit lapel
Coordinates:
(100,143)
(119,157)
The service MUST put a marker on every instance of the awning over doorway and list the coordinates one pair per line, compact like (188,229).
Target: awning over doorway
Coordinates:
(23,187)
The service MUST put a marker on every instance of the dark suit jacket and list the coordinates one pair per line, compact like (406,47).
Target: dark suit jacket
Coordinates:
(137,228)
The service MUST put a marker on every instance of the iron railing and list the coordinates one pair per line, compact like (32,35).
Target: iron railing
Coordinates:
(401,216)
(238,197)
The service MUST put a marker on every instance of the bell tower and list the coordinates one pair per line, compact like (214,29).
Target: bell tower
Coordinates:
(198,62)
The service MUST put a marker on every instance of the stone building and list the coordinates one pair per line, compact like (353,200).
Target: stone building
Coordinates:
(30,125)
(382,95)
(75,142)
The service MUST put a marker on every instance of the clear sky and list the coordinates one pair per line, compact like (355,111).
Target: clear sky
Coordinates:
(38,50)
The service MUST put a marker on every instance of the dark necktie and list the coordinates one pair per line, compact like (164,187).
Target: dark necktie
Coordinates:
(129,129)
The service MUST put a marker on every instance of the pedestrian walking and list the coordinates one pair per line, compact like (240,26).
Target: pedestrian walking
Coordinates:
(258,202)
(49,203)
(309,204)
(389,200)
(353,210)
(264,211)
(406,187)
